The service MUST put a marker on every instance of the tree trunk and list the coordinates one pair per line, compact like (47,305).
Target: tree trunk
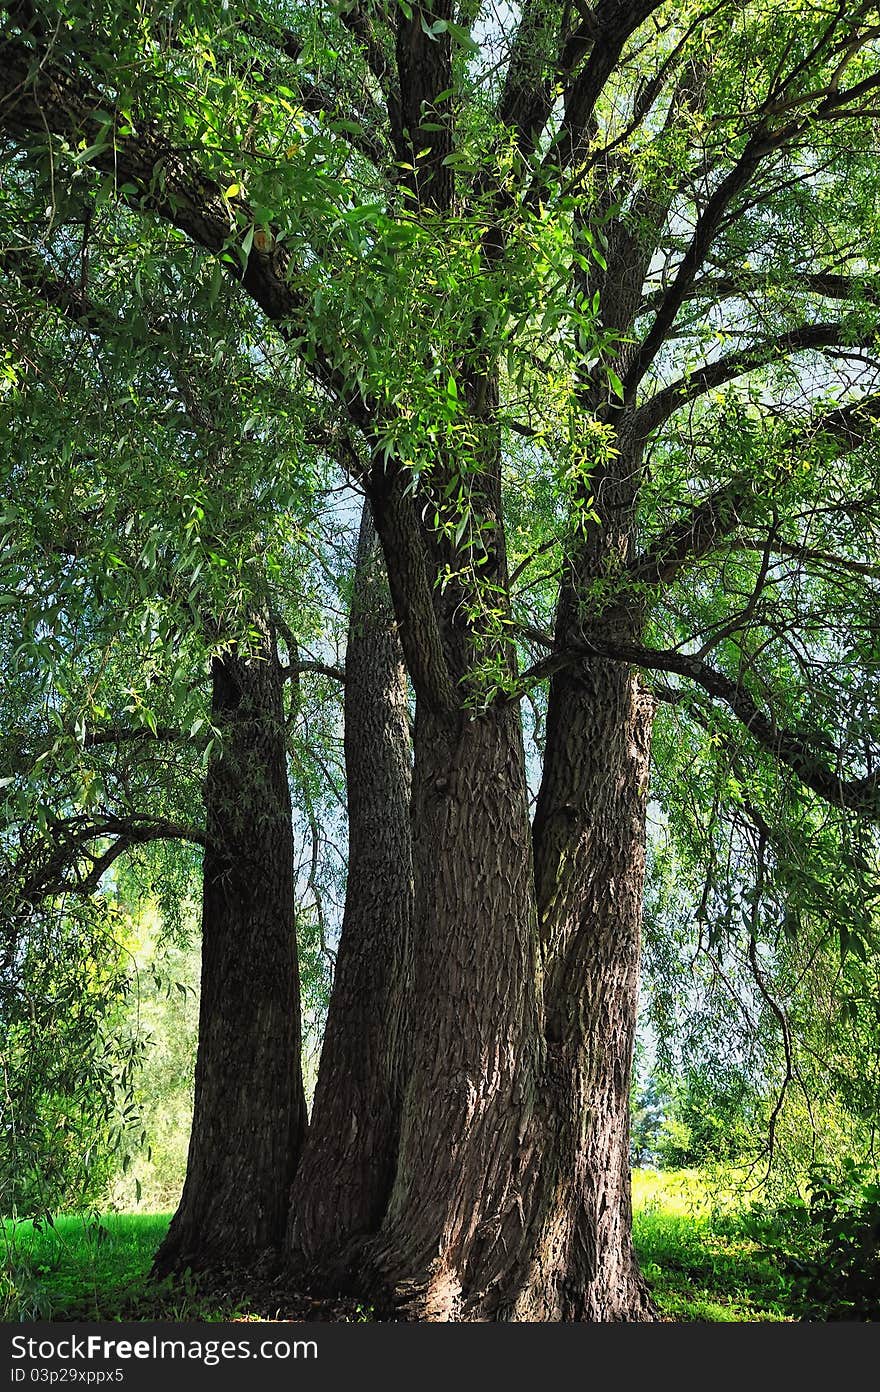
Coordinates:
(589,840)
(249,1115)
(590,854)
(455,1213)
(343,1182)
(511,1189)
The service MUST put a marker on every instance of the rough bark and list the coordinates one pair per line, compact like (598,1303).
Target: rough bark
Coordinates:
(590,853)
(344,1179)
(249,1115)
(589,840)
(455,1213)
(589,847)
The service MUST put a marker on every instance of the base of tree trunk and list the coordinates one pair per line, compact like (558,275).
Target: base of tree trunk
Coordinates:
(437,1295)
(627,1301)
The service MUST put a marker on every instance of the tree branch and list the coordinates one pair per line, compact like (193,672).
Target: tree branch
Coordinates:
(611,24)
(804,338)
(39,96)
(58,869)
(809,554)
(826,284)
(690,539)
(323,669)
(763,141)
(797,752)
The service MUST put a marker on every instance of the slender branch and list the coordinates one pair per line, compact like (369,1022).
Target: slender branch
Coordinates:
(322,669)
(58,868)
(95,738)
(810,554)
(742,283)
(764,141)
(690,539)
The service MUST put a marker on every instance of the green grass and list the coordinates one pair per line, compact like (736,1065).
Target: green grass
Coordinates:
(88,1268)
(695,1250)
(692,1243)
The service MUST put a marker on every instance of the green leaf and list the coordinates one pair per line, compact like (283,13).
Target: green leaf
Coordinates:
(616,384)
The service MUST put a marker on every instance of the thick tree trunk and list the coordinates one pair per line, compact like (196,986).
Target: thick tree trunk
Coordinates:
(347,1169)
(249,1115)
(456,1213)
(589,839)
(511,1193)
(590,850)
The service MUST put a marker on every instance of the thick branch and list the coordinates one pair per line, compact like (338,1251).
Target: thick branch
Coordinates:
(688,540)
(359,24)
(797,752)
(424,68)
(527,95)
(24,266)
(403,546)
(611,24)
(756,150)
(36,97)
(58,868)
(39,96)
(804,338)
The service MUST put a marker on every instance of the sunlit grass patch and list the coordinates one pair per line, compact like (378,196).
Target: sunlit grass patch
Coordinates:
(691,1240)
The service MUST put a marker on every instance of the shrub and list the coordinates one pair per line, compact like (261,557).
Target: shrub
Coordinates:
(830,1245)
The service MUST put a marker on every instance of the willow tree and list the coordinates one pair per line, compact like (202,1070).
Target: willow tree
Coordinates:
(594,290)
(160,571)
(146,707)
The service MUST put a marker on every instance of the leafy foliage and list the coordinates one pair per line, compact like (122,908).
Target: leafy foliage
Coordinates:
(68,1062)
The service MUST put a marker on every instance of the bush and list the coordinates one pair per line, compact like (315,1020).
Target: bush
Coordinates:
(830,1245)
(845,1211)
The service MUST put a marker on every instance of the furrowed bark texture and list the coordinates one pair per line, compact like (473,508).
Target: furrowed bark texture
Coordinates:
(455,1211)
(589,837)
(590,856)
(344,1179)
(249,1116)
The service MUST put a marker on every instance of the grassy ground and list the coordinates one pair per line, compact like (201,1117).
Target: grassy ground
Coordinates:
(80,1267)
(692,1245)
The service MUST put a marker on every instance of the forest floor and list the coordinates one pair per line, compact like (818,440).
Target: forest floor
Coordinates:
(695,1249)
